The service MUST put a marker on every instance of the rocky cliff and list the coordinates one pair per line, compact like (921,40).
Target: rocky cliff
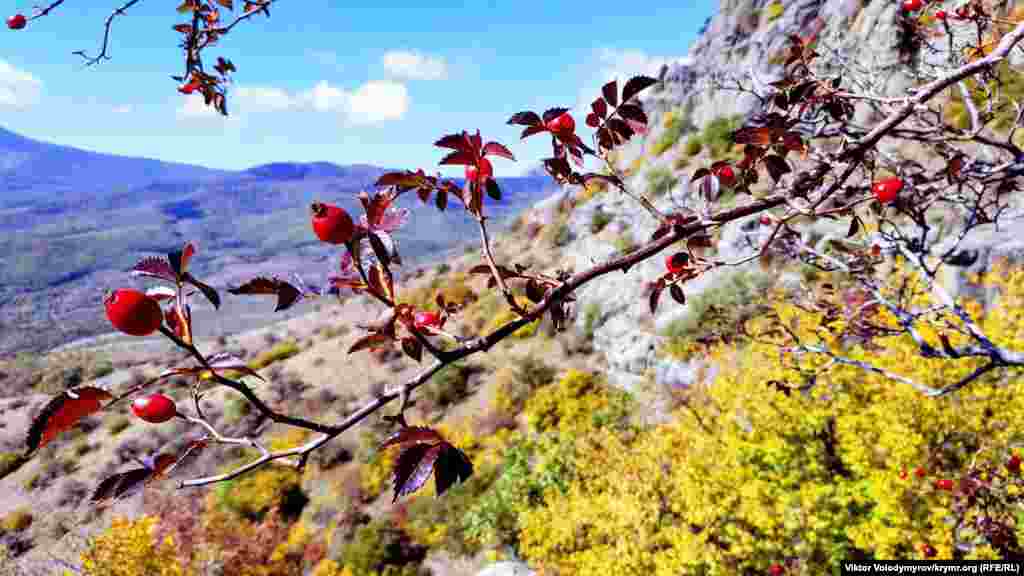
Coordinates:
(700,100)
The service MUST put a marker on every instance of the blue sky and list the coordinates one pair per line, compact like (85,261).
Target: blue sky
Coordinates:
(321,80)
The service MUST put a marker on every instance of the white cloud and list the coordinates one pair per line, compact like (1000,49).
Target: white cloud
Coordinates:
(122,109)
(324,98)
(261,99)
(377,102)
(18,89)
(414,65)
(194,107)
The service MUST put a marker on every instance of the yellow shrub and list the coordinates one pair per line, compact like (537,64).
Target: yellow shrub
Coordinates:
(576,404)
(328,567)
(128,548)
(747,476)
(253,494)
(280,352)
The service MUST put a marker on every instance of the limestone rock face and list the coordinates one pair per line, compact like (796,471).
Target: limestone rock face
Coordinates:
(748,40)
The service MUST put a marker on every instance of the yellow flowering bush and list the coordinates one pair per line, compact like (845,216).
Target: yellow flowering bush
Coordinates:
(129,548)
(766,464)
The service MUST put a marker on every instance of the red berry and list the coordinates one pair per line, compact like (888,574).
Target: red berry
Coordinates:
(765,220)
(912,5)
(676,263)
(776,570)
(961,12)
(190,87)
(941,14)
(886,190)
(1014,464)
(944,484)
(903,474)
(331,224)
(481,172)
(155,408)
(928,550)
(920,472)
(132,312)
(426,320)
(17,22)
(726,176)
(564,124)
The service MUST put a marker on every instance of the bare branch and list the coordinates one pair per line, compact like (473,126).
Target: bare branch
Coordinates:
(89,61)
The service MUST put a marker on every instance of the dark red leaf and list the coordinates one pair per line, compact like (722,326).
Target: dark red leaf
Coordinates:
(496,149)
(120,485)
(413,467)
(207,290)
(452,465)
(633,112)
(154,267)
(655,296)
(600,108)
(459,157)
(635,85)
(531,130)
(412,347)
(441,200)
(593,120)
(677,293)
(777,166)
(621,128)
(854,227)
(759,136)
(453,141)
(610,91)
(401,179)
(525,119)
(553,113)
(62,412)
(700,173)
(412,434)
(287,294)
(492,189)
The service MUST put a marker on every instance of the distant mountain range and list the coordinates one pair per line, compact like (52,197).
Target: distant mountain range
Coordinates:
(73,221)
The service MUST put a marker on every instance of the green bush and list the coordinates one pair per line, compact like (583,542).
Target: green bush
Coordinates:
(279,352)
(591,317)
(675,126)
(380,549)
(693,146)
(660,181)
(438,523)
(715,312)
(450,385)
(717,134)
(251,496)
(9,462)
(599,220)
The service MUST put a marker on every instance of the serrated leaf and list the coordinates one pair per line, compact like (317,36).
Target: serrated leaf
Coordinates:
(677,293)
(777,166)
(154,267)
(380,250)
(62,412)
(525,119)
(459,158)
(287,294)
(552,113)
(632,112)
(207,290)
(370,341)
(635,85)
(453,141)
(854,227)
(120,485)
(452,465)
(621,128)
(496,149)
(610,91)
(412,434)
(531,130)
(655,296)
(493,190)
(413,467)
(412,348)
